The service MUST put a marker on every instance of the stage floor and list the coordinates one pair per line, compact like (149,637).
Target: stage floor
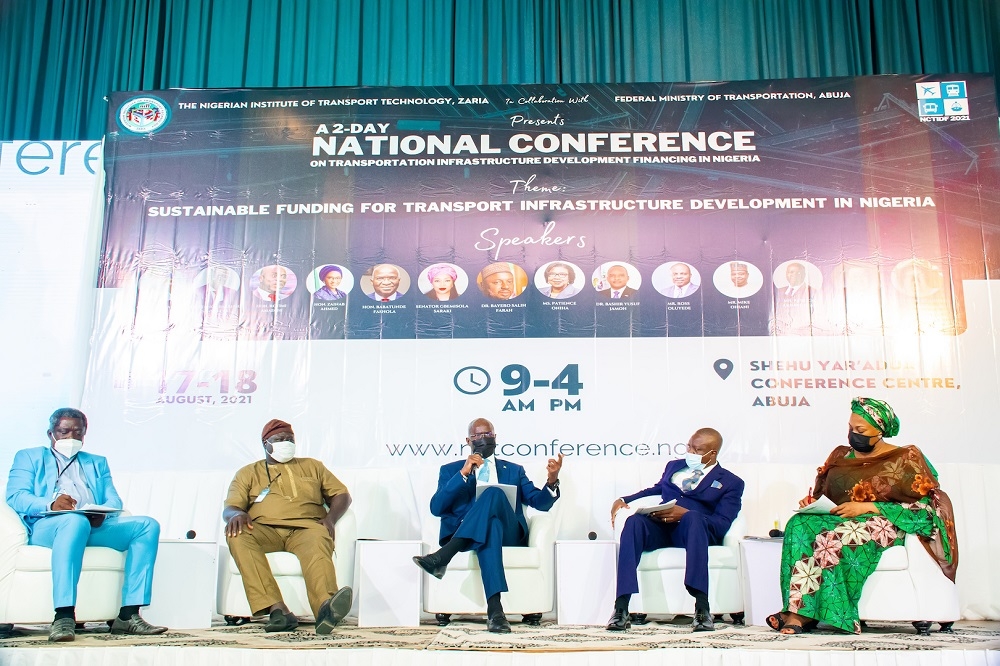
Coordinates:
(470,635)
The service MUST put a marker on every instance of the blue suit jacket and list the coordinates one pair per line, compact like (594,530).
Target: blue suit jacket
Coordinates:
(718,496)
(32,482)
(455,495)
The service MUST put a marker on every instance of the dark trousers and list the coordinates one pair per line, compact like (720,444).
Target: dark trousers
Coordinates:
(643,534)
(491,524)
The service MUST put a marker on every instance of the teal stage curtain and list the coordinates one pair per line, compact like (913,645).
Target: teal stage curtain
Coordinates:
(61,57)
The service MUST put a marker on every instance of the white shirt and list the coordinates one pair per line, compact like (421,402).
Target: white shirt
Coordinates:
(486,474)
(71,481)
(490,467)
(680,476)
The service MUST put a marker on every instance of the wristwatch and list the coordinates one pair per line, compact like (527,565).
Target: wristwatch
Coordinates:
(553,486)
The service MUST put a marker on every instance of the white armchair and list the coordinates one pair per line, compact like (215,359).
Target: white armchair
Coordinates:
(232,599)
(26,578)
(530,573)
(908,585)
(661,577)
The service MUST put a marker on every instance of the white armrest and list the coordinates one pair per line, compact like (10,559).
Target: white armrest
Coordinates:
(13,535)
(737,531)
(542,528)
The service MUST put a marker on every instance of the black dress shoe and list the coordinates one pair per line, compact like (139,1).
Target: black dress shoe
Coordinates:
(703,621)
(620,621)
(498,624)
(281,621)
(431,564)
(334,610)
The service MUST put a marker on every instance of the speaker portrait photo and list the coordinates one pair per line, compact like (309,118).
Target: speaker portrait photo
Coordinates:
(738,279)
(442,282)
(617,281)
(796,298)
(676,279)
(330,282)
(274,283)
(217,289)
(385,283)
(559,279)
(502,281)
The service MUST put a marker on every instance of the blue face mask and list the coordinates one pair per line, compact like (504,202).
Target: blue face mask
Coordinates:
(694,461)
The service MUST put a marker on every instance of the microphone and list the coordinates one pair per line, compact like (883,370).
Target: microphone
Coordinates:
(190,534)
(592,536)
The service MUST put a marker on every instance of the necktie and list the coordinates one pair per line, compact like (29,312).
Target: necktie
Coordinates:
(385,300)
(273,297)
(688,484)
(617,294)
(484,472)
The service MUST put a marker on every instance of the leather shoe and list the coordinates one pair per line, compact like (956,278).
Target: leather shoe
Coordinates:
(334,610)
(431,564)
(498,624)
(620,621)
(703,621)
(62,630)
(281,621)
(137,626)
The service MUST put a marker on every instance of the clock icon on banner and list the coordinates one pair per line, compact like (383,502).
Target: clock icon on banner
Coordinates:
(472,380)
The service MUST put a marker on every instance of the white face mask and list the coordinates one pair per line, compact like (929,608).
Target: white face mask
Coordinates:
(67,447)
(282,451)
(693,460)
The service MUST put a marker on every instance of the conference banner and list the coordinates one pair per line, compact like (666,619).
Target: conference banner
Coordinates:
(599,269)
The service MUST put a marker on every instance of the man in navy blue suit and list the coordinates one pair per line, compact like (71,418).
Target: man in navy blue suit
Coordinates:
(708,501)
(487,523)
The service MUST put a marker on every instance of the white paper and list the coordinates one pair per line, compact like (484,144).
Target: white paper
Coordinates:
(508,490)
(85,508)
(822,505)
(646,510)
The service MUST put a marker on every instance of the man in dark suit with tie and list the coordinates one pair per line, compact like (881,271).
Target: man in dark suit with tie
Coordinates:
(487,523)
(618,289)
(708,501)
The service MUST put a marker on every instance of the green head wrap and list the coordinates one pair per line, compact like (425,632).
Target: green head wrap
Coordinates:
(877,413)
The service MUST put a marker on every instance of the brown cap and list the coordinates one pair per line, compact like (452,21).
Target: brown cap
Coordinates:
(273,427)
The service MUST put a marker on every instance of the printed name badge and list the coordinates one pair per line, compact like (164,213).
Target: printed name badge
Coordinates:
(263,494)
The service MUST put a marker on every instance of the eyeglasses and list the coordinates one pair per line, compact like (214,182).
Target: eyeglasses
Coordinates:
(480,435)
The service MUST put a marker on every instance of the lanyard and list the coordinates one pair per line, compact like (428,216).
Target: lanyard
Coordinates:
(267,468)
(63,470)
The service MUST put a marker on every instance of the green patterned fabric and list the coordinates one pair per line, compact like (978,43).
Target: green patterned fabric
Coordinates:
(825,559)
(878,413)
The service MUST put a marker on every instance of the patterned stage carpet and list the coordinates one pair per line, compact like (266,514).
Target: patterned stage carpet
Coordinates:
(472,635)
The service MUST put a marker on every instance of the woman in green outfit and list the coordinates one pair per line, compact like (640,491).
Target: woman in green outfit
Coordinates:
(882,492)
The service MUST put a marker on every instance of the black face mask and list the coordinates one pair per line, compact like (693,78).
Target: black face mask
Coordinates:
(484,446)
(860,443)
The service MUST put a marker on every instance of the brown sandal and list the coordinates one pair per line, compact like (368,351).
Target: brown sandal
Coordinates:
(775,621)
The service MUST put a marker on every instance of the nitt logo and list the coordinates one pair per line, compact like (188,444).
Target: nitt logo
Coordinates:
(942,98)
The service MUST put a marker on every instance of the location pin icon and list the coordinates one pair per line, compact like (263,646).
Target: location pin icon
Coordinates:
(723,367)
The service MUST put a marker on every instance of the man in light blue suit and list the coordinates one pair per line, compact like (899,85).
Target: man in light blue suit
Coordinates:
(60,477)
(487,523)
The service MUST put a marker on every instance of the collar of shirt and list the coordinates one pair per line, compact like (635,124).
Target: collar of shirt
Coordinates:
(687,472)
(490,464)
(72,482)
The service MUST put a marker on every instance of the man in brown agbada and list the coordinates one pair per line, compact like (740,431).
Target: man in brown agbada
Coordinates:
(284,503)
